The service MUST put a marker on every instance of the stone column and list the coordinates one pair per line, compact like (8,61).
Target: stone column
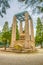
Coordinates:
(27,45)
(32,31)
(21,30)
(13,38)
(32,34)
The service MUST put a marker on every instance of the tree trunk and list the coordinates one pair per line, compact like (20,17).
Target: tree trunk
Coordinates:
(41,45)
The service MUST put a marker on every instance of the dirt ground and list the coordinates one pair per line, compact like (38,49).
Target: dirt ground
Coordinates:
(7,58)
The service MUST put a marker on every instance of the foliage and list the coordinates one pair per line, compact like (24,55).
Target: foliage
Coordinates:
(5,32)
(10,32)
(0,36)
(5,27)
(4,4)
(42,32)
(36,4)
(38,37)
(5,35)
(17,32)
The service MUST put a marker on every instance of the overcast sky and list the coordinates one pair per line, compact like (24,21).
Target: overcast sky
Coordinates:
(15,8)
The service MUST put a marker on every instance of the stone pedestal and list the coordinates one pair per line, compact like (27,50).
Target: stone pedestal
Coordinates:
(13,38)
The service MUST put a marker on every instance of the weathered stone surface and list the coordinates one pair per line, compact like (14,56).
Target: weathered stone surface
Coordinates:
(21,30)
(27,45)
(13,39)
(32,35)
(28,35)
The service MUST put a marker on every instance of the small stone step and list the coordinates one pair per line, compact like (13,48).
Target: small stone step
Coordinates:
(27,50)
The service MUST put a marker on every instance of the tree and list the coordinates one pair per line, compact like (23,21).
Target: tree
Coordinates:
(34,3)
(0,36)
(38,37)
(5,34)
(5,27)
(10,33)
(42,33)
(4,4)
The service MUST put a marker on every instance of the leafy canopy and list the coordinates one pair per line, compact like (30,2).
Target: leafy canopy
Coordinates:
(36,4)
(4,4)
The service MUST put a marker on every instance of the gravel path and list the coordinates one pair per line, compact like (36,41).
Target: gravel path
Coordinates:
(21,59)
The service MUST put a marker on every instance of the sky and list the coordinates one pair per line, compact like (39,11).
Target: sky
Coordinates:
(15,8)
